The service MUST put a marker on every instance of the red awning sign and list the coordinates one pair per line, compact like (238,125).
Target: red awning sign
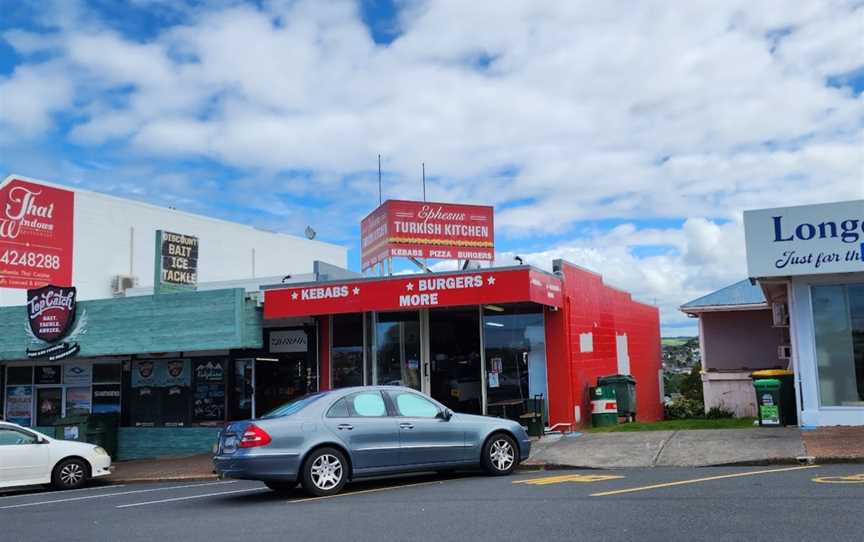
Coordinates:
(413,292)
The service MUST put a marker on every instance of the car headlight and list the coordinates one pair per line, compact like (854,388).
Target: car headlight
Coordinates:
(98,450)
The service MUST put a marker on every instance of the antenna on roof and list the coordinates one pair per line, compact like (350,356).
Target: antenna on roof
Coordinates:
(380,193)
(423,164)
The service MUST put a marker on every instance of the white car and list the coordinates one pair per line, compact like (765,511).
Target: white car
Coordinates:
(28,458)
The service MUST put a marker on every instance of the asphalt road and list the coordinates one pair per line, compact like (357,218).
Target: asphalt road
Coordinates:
(747,503)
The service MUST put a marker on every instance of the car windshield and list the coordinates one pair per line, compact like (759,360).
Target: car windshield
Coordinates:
(294,406)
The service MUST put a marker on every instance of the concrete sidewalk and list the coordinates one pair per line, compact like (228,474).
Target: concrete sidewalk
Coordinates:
(196,467)
(699,448)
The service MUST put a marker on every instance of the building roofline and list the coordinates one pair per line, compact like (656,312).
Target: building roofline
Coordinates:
(9,178)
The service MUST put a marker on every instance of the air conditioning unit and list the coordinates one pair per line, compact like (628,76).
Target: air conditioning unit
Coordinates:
(784,352)
(121,283)
(780,313)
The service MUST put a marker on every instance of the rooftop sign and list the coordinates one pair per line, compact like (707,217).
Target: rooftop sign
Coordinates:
(427,230)
(805,240)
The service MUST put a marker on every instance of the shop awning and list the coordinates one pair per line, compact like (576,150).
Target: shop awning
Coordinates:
(429,290)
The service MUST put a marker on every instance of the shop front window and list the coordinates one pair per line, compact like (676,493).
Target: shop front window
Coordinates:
(347,350)
(49,406)
(838,317)
(515,344)
(397,360)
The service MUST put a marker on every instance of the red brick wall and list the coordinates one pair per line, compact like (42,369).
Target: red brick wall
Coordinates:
(605,312)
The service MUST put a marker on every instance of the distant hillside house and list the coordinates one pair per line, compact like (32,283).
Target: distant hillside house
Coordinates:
(736,337)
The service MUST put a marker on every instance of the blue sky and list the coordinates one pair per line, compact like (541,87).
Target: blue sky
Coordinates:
(627,139)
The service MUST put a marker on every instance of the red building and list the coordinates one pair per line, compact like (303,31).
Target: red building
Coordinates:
(484,341)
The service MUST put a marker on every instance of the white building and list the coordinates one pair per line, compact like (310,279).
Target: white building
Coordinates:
(112,243)
(808,261)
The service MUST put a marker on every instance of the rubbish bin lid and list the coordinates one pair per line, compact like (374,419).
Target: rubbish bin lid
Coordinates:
(613,379)
(767,383)
(771,372)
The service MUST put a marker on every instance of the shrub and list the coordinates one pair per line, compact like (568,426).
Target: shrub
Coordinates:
(684,408)
(719,412)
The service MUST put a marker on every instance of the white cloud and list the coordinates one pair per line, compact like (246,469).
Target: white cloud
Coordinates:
(557,112)
(689,262)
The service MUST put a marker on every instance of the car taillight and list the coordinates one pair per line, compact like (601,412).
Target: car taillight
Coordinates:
(254,436)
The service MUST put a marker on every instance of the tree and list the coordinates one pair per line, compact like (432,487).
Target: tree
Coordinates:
(691,384)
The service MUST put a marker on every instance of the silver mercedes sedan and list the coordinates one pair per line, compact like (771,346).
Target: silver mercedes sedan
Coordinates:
(327,439)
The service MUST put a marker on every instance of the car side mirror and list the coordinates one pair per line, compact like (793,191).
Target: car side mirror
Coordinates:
(445,414)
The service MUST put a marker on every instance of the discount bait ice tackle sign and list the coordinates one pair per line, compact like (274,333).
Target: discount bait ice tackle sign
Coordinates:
(36,234)
(51,323)
(176,262)
(805,240)
(422,229)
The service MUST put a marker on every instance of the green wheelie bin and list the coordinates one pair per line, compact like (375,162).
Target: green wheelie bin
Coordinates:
(71,428)
(604,406)
(768,401)
(625,393)
(788,407)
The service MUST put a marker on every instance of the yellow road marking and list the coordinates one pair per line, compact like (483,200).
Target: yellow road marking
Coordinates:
(853,479)
(568,478)
(698,480)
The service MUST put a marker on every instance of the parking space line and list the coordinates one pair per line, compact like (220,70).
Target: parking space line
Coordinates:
(190,497)
(116,494)
(851,479)
(362,491)
(699,480)
(34,493)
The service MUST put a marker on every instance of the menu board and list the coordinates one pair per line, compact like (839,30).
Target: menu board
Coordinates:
(209,390)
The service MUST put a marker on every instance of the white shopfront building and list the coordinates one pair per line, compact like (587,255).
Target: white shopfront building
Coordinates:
(808,261)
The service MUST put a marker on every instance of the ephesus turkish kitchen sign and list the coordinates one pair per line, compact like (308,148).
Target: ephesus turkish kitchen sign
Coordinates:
(176,262)
(36,234)
(422,229)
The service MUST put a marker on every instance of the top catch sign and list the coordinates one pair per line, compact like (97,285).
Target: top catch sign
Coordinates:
(36,234)
(805,240)
(422,229)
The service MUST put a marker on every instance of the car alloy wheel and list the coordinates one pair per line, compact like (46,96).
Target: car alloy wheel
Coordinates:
(326,472)
(502,455)
(70,474)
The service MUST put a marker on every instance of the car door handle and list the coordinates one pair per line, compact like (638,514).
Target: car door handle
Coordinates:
(345,426)
(406,425)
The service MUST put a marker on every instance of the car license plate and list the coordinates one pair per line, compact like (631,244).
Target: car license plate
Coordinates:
(229,445)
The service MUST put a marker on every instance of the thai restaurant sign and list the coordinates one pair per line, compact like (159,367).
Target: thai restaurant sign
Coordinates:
(414,291)
(36,234)
(805,240)
(422,229)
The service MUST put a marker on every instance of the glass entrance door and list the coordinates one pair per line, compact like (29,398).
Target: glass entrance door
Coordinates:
(454,359)
(514,340)
(397,350)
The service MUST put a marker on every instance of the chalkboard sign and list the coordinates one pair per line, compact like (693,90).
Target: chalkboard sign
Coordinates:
(209,390)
